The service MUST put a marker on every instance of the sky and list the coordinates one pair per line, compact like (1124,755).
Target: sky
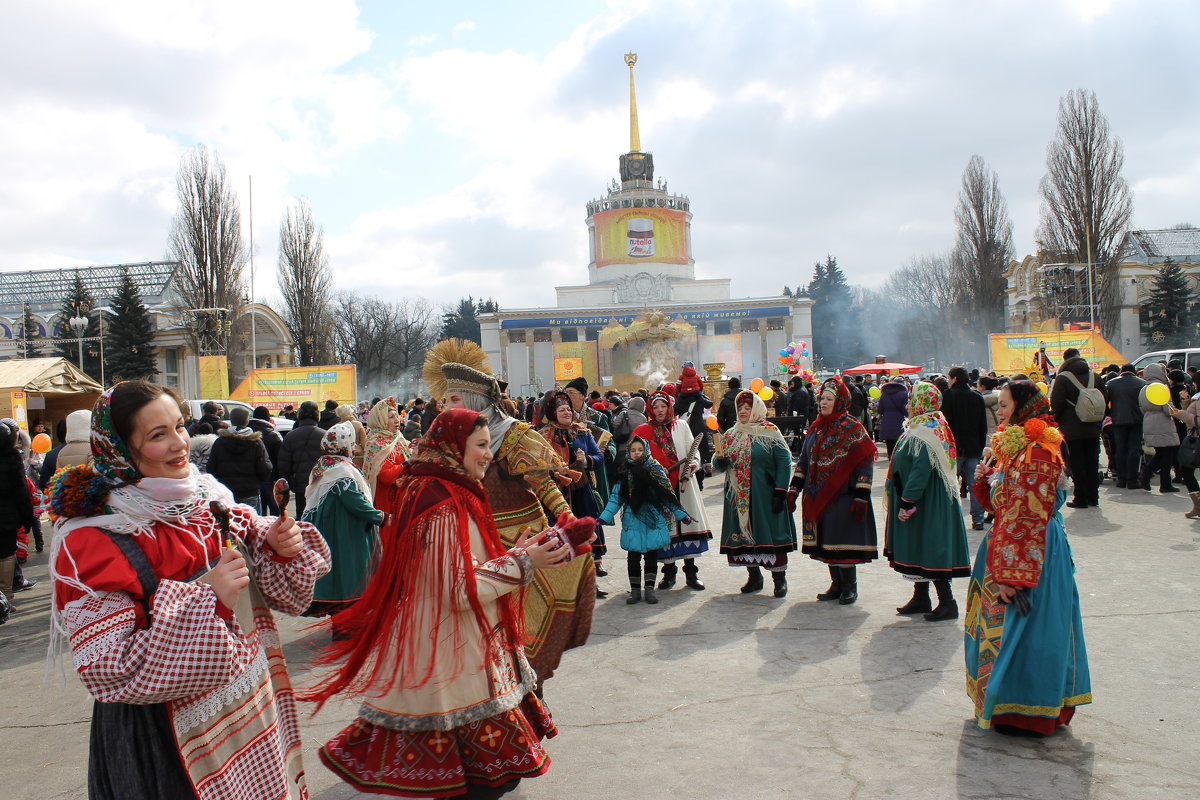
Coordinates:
(450,149)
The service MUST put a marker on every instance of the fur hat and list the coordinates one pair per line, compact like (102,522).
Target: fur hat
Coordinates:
(580,384)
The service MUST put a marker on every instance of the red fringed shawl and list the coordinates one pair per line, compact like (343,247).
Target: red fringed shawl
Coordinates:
(411,575)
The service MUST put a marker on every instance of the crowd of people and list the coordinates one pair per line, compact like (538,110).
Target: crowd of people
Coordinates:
(455,546)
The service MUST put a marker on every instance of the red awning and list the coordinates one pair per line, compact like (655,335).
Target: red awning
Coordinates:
(887,366)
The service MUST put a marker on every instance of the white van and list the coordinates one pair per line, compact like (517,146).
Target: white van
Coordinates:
(195,407)
(1188,356)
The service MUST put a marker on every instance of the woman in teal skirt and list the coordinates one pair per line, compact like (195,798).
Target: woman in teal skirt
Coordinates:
(1027,667)
(340,507)
(757,528)
(926,539)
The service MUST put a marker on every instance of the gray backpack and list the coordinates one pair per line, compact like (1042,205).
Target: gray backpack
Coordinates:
(1090,405)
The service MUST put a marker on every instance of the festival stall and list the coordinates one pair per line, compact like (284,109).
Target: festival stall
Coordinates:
(45,389)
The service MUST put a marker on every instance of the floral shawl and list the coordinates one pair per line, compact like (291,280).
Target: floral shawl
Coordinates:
(381,442)
(739,441)
(661,431)
(645,481)
(839,445)
(927,424)
(335,465)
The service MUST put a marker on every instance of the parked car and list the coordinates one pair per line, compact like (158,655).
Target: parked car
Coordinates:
(195,410)
(1188,356)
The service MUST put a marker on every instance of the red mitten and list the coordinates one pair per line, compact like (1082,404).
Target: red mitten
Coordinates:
(576,534)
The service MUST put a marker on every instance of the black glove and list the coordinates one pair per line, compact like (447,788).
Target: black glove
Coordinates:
(778,501)
(794,490)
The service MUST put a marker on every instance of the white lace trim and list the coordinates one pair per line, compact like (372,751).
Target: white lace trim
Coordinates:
(211,704)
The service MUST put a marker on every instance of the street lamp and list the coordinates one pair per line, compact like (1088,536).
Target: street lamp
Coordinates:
(79,324)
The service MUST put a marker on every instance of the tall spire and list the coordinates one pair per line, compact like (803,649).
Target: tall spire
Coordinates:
(635,142)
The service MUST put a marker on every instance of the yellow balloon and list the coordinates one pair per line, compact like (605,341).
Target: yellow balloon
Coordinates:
(766,394)
(1042,387)
(1158,394)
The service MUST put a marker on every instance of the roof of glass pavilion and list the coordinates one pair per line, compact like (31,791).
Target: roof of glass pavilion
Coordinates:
(47,287)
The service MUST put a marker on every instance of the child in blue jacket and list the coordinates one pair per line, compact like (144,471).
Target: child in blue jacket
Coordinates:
(645,493)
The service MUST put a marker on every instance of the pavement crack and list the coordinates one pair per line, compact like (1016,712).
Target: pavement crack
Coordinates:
(45,725)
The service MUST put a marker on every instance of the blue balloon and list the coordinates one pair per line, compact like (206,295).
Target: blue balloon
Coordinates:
(783,352)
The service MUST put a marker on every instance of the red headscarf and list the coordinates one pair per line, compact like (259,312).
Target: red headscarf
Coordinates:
(840,444)
(377,656)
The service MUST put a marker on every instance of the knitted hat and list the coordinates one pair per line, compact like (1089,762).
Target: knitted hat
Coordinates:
(579,384)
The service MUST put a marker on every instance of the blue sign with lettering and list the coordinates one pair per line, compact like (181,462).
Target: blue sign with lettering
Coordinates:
(625,319)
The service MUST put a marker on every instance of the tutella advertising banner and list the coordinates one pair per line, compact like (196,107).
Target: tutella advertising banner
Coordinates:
(1014,352)
(633,235)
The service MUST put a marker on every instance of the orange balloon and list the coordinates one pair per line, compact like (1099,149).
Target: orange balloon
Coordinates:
(756,385)
(41,443)
(711,422)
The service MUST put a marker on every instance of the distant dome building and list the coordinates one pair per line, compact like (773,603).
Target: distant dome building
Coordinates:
(641,260)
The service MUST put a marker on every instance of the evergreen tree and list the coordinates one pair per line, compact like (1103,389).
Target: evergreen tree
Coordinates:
(786,292)
(78,302)
(835,317)
(460,322)
(129,335)
(29,332)
(1170,308)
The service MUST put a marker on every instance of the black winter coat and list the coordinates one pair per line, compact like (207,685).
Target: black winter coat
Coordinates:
(271,439)
(16,506)
(800,404)
(239,460)
(1123,394)
(964,410)
(727,411)
(300,450)
(1064,394)
(328,419)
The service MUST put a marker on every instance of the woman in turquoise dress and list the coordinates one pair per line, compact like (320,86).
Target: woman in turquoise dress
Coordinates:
(757,528)
(644,491)
(1027,666)
(340,507)
(926,539)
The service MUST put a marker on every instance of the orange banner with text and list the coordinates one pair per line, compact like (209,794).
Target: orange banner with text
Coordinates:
(290,386)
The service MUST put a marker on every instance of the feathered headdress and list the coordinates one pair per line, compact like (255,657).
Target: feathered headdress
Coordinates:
(451,351)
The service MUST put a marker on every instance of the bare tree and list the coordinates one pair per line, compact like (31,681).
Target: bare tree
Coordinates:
(923,306)
(386,340)
(1086,203)
(206,238)
(306,283)
(984,247)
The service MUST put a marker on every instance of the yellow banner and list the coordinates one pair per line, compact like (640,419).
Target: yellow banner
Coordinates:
(1014,352)
(576,359)
(214,378)
(20,412)
(290,386)
(633,235)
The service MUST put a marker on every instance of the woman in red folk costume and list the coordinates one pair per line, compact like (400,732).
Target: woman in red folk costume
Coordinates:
(834,472)
(671,446)
(434,651)
(164,589)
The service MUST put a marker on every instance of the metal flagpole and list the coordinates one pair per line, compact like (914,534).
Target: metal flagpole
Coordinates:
(253,338)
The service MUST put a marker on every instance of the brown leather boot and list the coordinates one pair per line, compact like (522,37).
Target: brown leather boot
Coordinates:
(7,567)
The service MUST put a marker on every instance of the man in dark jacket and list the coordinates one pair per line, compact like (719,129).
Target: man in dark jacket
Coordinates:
(1123,392)
(727,411)
(300,450)
(964,410)
(210,413)
(1082,438)
(329,417)
(262,423)
(239,459)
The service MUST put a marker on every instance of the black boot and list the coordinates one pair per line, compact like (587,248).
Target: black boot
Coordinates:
(849,586)
(692,574)
(1165,485)
(635,595)
(780,579)
(835,585)
(755,583)
(947,608)
(668,578)
(919,604)
(651,597)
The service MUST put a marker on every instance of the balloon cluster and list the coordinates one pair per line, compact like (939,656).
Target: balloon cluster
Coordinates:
(795,359)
